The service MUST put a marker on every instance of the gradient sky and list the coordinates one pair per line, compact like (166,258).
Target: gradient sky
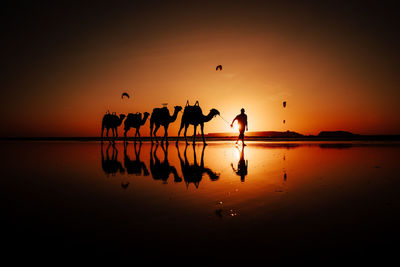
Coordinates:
(336,64)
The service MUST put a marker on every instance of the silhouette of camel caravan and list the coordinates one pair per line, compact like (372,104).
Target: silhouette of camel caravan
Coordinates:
(111,121)
(161,117)
(135,121)
(193,115)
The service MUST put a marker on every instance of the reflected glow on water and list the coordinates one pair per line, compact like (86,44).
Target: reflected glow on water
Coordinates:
(296,197)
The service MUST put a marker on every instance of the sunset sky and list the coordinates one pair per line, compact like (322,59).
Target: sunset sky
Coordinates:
(336,64)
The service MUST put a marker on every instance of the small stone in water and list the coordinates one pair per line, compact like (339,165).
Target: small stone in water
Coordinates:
(232,213)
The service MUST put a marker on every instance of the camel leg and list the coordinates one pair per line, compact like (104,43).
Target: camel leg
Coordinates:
(155,132)
(179,132)
(113,134)
(116,132)
(202,134)
(184,133)
(126,134)
(140,138)
(107,132)
(165,135)
(194,134)
(136,133)
(151,132)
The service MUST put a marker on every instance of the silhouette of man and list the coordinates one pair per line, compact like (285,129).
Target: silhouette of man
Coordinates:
(241,166)
(242,122)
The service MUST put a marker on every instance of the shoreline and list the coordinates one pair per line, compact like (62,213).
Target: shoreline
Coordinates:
(228,138)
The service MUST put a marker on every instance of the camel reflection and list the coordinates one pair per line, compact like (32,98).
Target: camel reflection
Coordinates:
(110,164)
(136,166)
(161,170)
(241,166)
(193,173)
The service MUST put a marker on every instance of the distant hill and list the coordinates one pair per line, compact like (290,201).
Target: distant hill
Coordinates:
(288,134)
(269,134)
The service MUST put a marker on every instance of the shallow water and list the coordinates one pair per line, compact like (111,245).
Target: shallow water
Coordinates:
(276,202)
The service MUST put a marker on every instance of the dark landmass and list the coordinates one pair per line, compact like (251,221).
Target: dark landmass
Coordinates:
(250,136)
(267,134)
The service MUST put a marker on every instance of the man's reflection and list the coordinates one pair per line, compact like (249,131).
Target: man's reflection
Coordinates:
(193,173)
(161,170)
(241,166)
(111,165)
(134,166)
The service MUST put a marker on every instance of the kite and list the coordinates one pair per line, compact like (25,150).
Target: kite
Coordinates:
(124,94)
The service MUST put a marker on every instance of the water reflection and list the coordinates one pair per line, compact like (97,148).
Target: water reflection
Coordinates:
(111,164)
(161,170)
(327,191)
(193,173)
(136,166)
(242,165)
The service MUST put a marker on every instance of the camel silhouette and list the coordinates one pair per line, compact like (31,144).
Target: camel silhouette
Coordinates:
(111,165)
(193,173)
(135,121)
(136,166)
(111,121)
(161,117)
(193,115)
(161,170)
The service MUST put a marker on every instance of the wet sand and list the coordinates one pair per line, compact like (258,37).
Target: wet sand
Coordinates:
(273,202)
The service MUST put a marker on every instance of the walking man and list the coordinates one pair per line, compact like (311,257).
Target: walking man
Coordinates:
(242,122)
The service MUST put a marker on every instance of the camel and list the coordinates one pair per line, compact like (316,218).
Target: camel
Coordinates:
(161,117)
(134,166)
(135,121)
(193,115)
(111,165)
(111,121)
(161,170)
(193,173)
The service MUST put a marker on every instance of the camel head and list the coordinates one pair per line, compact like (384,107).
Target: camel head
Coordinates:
(214,112)
(177,108)
(146,114)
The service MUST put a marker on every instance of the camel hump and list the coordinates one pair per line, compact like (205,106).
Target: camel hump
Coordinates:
(134,115)
(196,104)
(193,109)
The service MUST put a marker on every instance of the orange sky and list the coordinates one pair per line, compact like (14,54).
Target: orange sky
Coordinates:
(332,75)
